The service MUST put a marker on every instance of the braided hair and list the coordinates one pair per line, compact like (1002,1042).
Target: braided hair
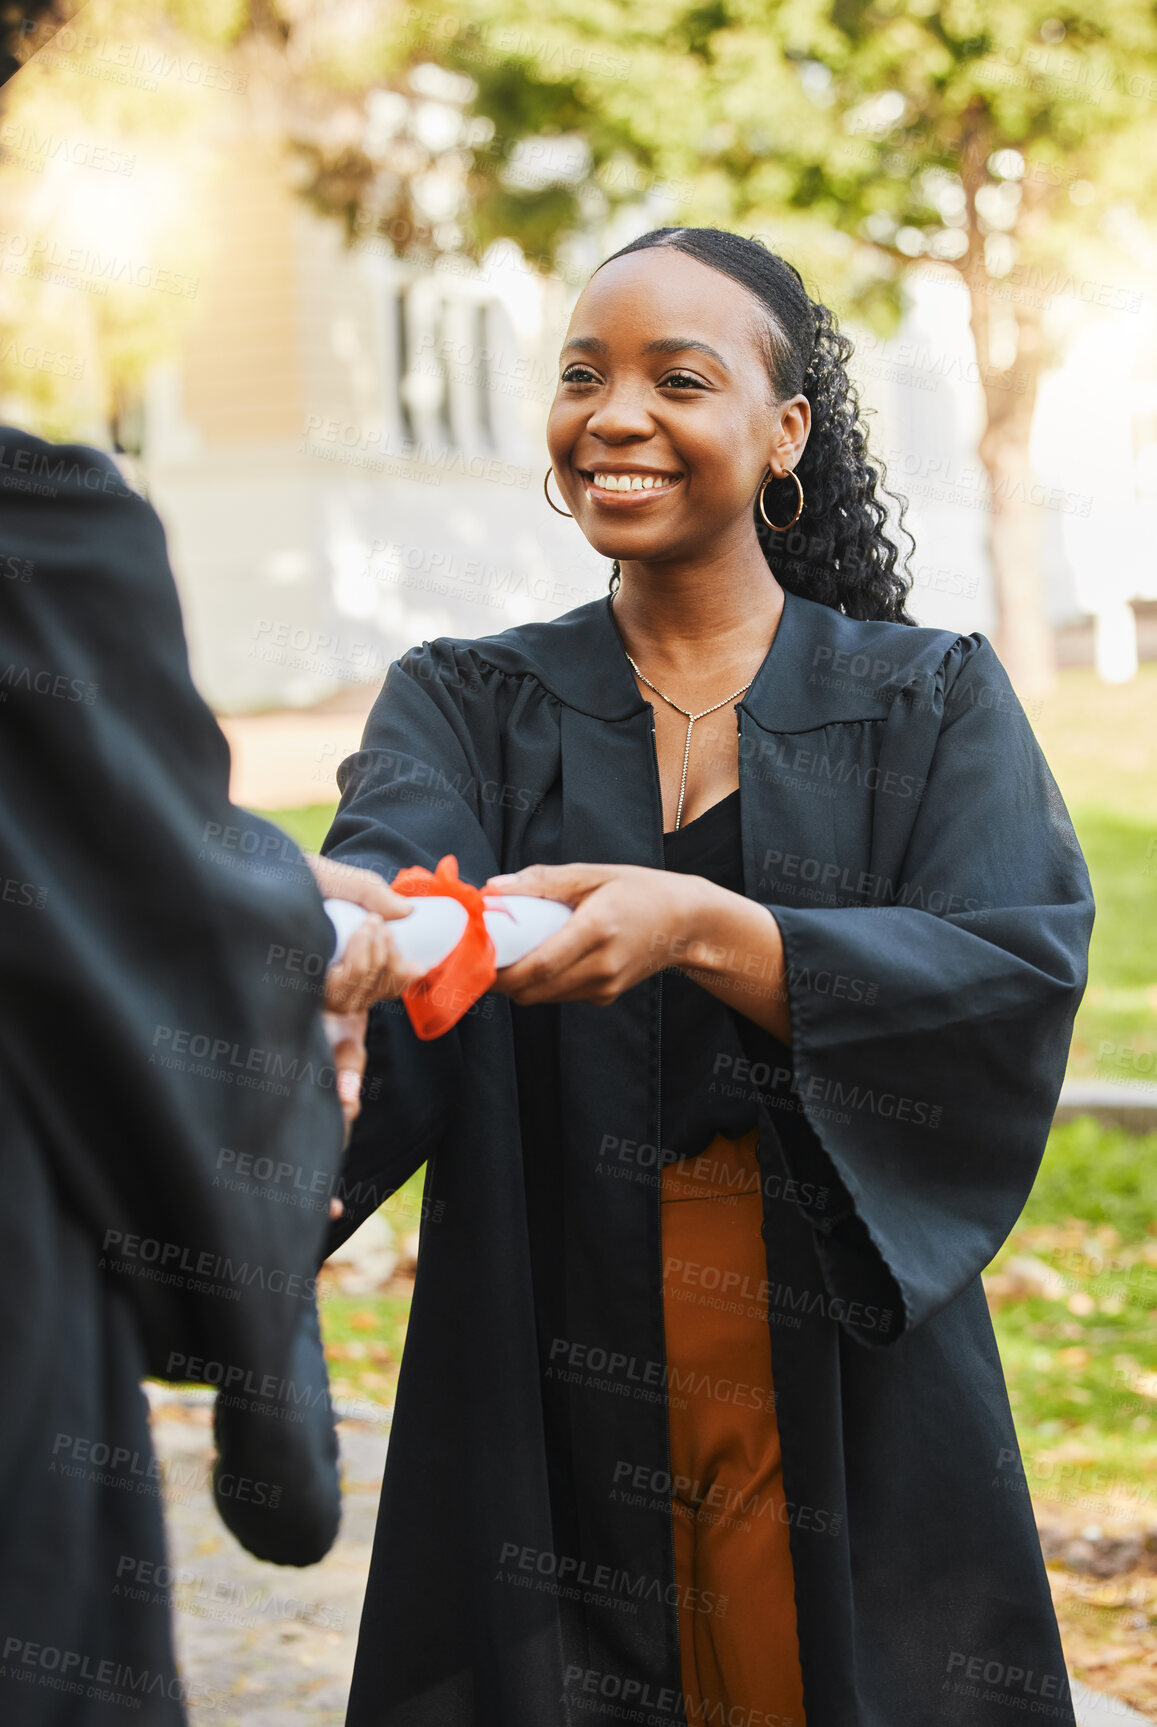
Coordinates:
(837,552)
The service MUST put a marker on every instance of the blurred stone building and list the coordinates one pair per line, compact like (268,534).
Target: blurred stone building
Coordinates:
(348,455)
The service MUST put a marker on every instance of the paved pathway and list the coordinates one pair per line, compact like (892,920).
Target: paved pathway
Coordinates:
(264,1645)
(270,1646)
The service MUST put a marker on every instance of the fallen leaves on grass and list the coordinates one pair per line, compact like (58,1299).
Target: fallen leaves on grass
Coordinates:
(1107,1629)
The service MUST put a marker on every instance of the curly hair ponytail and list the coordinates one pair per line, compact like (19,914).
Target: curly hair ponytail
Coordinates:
(838,553)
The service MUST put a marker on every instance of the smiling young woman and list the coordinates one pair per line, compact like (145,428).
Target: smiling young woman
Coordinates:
(701,1418)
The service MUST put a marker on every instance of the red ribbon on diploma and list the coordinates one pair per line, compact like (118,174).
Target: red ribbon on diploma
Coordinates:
(438,1000)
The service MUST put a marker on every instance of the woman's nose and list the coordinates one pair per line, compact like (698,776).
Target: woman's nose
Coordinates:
(621,413)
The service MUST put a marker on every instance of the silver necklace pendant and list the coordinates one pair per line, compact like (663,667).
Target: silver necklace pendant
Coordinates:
(690,718)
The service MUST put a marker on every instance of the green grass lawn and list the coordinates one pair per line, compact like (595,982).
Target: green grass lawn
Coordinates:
(1101,743)
(1115,1036)
(364,1334)
(307,825)
(363,1343)
(1081,1356)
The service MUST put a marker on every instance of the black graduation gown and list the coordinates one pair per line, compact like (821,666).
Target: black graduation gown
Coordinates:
(147,1048)
(900,821)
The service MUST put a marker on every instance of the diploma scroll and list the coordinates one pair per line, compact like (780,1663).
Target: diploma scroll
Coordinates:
(459,936)
(517,923)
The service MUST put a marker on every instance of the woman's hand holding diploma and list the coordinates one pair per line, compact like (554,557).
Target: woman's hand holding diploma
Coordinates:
(630,922)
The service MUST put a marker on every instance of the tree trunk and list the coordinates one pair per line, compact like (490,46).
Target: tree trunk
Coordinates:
(1024,637)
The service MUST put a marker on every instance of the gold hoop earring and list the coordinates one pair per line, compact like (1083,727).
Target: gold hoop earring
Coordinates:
(553,505)
(776,527)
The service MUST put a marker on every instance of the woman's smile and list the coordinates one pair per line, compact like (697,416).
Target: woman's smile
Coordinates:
(627,488)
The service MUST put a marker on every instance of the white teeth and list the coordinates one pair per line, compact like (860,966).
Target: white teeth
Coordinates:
(630,482)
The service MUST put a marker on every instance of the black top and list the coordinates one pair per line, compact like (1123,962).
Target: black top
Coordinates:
(694,1107)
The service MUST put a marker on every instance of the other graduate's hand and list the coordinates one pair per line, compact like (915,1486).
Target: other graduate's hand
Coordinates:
(365,887)
(625,921)
(369,969)
(347,1040)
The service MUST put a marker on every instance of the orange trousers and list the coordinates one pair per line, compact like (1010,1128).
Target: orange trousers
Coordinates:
(739,1652)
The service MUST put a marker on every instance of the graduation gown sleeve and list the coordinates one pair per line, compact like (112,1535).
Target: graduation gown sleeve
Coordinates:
(931,1021)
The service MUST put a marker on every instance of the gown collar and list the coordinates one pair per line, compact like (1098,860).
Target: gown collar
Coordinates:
(820,668)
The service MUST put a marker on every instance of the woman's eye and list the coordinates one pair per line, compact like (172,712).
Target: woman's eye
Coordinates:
(579,375)
(684,381)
